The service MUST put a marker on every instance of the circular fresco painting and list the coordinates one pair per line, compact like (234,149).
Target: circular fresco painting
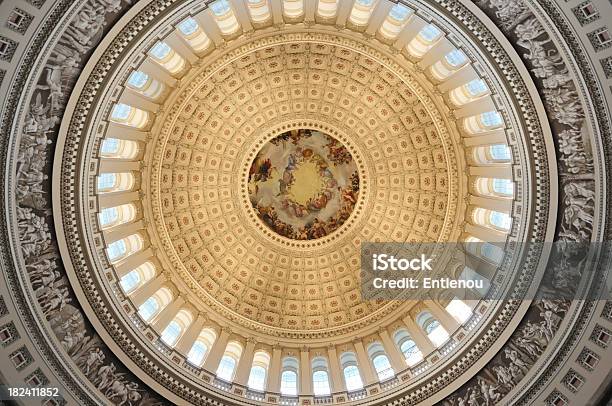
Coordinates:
(303,184)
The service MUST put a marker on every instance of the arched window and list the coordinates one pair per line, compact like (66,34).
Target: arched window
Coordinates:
(499,220)
(116,250)
(259,371)
(257,378)
(224,17)
(432,327)
(130,281)
(149,308)
(164,55)
(380,361)
(160,51)
(176,327)
(492,252)
(471,91)
(424,41)
(411,352)
(144,84)
(137,277)
(115,182)
(320,381)
(120,249)
(396,20)
(494,187)
(352,378)
(194,35)
(153,305)
(455,58)
(114,148)
(220,7)
(383,367)
(503,187)
(491,119)
(227,366)
(110,147)
(492,154)
(109,217)
(320,377)
(289,376)
(171,333)
(451,62)
(128,115)
(138,79)
(188,26)
(197,353)
(486,121)
(408,347)
(500,152)
(114,216)
(199,349)
(459,310)
(492,219)
(289,383)
(488,251)
(107,182)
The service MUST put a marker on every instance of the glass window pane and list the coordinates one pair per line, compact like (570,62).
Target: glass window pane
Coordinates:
(226,368)
(459,310)
(109,146)
(492,252)
(408,348)
(160,50)
(476,87)
(171,333)
(108,216)
(500,220)
(399,12)
(320,382)
(148,309)
(188,26)
(257,378)
(197,353)
(500,152)
(352,378)
(107,181)
(503,186)
(383,367)
(436,333)
(456,58)
(130,281)
(138,79)
(220,7)
(121,111)
(491,119)
(430,32)
(289,383)
(116,250)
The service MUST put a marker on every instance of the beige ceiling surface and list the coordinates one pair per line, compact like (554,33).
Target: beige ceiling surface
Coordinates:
(219,120)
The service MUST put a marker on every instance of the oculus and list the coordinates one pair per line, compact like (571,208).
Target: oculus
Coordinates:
(303,184)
